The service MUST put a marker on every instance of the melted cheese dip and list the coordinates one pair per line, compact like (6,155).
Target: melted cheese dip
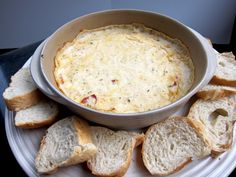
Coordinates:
(124,69)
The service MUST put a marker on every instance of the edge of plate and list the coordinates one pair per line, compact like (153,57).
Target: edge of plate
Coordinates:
(14,145)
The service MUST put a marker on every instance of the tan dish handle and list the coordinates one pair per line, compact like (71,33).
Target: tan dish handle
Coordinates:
(37,75)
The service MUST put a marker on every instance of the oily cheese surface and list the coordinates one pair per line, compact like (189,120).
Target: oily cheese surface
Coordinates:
(124,69)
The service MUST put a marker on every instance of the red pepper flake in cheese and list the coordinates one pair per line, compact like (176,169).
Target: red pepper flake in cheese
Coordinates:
(175,83)
(61,79)
(89,100)
(112,109)
(173,88)
(114,81)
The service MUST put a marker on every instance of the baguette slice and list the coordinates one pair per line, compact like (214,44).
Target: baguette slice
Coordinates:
(67,142)
(22,91)
(115,150)
(41,114)
(225,72)
(233,99)
(217,117)
(173,143)
(214,92)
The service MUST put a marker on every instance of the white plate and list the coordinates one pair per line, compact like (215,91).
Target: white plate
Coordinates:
(25,144)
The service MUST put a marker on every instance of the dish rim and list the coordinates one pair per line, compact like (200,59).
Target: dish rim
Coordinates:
(179,101)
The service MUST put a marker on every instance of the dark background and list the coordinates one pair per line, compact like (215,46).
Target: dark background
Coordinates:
(24,22)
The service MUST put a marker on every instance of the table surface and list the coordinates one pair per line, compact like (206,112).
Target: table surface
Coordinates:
(9,64)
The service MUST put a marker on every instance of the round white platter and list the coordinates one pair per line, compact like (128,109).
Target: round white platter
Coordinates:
(25,144)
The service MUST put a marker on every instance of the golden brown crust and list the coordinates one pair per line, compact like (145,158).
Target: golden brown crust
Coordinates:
(36,124)
(199,129)
(84,138)
(222,81)
(83,131)
(217,152)
(137,140)
(42,143)
(215,94)
(22,102)
(214,151)
(121,171)
(181,166)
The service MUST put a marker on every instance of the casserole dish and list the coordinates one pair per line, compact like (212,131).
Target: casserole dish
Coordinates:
(203,58)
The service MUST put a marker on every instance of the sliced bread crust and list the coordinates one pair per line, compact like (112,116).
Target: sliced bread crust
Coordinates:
(67,142)
(24,101)
(41,114)
(115,150)
(214,92)
(217,118)
(173,143)
(22,91)
(225,71)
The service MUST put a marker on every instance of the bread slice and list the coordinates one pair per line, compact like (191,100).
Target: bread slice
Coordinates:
(41,114)
(67,142)
(213,92)
(233,99)
(115,150)
(173,143)
(217,117)
(225,72)
(22,91)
